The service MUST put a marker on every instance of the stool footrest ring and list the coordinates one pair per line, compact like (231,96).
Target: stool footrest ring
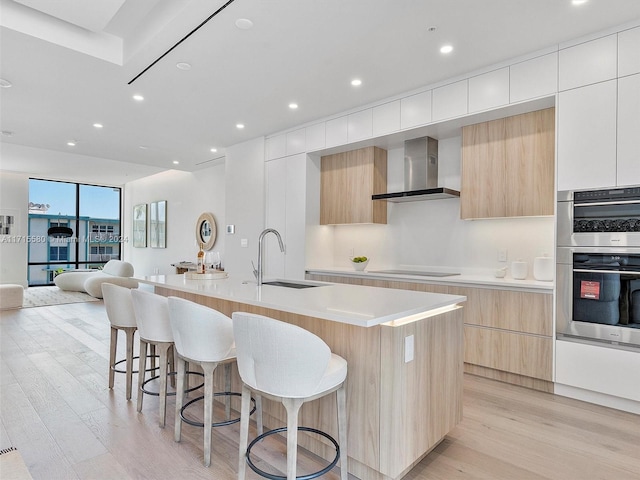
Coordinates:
(113,367)
(214,424)
(271,476)
(156,394)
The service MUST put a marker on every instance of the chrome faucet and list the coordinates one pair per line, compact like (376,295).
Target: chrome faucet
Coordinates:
(264,232)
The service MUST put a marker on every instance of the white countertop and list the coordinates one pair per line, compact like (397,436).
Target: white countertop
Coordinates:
(468,279)
(352,304)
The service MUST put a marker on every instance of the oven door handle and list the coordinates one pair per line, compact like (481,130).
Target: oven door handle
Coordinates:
(599,204)
(623,272)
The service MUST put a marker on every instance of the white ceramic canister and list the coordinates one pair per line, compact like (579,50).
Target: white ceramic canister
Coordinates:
(543,268)
(519,270)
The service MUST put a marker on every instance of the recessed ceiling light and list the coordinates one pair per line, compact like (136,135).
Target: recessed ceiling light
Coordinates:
(138,98)
(244,23)
(143,147)
(7,133)
(183,66)
(578,2)
(214,150)
(293,106)
(240,125)
(176,162)
(5,83)
(97,125)
(72,143)
(356,82)
(446,49)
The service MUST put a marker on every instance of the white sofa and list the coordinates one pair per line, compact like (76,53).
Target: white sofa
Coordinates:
(90,281)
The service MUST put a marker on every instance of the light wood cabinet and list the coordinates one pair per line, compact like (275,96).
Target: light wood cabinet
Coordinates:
(347,181)
(508,167)
(508,334)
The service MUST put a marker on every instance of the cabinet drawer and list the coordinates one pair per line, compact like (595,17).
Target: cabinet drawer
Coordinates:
(518,353)
(508,310)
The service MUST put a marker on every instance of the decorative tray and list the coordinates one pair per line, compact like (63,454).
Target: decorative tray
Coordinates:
(217,275)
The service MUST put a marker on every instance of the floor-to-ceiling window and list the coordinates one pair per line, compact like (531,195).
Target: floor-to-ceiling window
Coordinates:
(71,225)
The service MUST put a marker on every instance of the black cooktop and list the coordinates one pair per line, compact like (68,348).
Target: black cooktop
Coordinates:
(415,272)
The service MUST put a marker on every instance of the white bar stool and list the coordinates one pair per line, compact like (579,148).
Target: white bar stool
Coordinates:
(152,318)
(202,336)
(286,363)
(119,307)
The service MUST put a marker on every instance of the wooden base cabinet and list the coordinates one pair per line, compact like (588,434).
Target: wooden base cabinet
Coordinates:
(397,411)
(508,334)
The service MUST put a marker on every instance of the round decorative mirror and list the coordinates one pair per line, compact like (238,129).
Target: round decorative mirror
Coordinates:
(206,230)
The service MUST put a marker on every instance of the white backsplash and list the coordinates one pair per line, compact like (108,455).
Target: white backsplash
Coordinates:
(431,234)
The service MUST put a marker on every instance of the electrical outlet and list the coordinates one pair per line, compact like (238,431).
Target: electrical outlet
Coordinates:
(408,349)
(244,243)
(351,252)
(502,255)
(156,270)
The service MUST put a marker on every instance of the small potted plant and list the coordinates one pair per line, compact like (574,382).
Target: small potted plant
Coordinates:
(359,263)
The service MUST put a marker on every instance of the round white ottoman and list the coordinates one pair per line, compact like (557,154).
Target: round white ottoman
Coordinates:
(11,296)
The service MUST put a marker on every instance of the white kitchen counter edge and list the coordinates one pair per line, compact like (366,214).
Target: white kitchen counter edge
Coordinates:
(462,279)
(351,304)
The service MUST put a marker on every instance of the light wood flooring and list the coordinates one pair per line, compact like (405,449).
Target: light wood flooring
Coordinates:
(56,409)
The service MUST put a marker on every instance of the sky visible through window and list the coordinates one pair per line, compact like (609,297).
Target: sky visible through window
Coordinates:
(95,202)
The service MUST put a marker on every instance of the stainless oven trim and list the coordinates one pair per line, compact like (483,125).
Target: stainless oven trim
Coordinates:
(565,326)
(587,270)
(566,237)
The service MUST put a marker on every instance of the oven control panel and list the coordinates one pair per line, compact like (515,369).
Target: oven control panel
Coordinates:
(631,193)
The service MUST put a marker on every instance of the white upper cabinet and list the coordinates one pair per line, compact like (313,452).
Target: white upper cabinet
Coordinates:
(315,137)
(534,78)
(629,52)
(629,130)
(386,118)
(285,211)
(450,101)
(296,141)
(587,137)
(589,62)
(489,90)
(415,110)
(360,125)
(276,147)
(336,132)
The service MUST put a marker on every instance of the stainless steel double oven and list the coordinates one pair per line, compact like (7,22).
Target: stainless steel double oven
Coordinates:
(598,266)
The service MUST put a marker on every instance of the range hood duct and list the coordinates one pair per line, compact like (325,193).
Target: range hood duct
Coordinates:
(420,174)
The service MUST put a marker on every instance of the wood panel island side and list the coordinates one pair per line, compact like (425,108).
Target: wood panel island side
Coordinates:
(404,350)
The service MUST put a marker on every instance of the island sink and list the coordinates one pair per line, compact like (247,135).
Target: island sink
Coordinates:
(283,283)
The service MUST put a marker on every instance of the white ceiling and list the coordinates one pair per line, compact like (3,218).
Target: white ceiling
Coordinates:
(70,62)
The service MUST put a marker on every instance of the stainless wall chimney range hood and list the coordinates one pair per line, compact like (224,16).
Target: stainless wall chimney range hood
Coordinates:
(420,174)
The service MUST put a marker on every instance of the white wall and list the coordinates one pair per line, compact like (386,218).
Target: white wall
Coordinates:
(245,204)
(14,200)
(188,195)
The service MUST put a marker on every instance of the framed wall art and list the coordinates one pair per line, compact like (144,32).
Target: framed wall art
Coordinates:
(158,224)
(140,225)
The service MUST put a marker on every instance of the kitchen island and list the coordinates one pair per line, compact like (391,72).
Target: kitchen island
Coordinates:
(405,355)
